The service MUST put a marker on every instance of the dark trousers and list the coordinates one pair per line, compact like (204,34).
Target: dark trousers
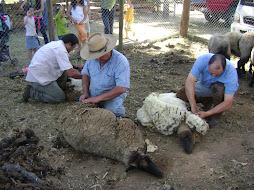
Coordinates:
(108,19)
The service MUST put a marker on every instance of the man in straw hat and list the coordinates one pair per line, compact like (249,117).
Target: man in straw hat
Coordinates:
(106,74)
(48,70)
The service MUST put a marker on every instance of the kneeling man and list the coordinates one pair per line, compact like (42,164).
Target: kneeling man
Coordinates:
(106,74)
(212,80)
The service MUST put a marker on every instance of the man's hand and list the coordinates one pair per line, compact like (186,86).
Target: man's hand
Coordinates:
(202,114)
(83,97)
(91,100)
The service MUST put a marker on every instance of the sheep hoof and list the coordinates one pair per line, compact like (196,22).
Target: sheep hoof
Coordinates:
(186,138)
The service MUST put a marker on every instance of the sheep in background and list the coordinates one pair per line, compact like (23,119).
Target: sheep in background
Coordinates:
(219,44)
(252,64)
(241,45)
(166,114)
(100,132)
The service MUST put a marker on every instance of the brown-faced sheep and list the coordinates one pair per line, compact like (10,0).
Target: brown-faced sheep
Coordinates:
(219,44)
(241,45)
(100,132)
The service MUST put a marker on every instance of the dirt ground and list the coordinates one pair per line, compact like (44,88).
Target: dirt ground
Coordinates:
(224,159)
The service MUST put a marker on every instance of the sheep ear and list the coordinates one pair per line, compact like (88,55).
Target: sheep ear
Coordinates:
(145,148)
(130,168)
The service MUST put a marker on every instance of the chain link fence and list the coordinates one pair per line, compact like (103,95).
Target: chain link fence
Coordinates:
(153,20)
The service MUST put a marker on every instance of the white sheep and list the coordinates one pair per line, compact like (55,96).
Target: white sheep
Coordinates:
(219,44)
(168,114)
(165,112)
(100,132)
(241,45)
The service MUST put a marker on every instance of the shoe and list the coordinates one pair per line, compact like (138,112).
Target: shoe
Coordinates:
(186,138)
(26,94)
(215,120)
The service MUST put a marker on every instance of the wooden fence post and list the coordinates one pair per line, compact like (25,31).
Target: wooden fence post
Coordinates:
(51,24)
(120,46)
(185,18)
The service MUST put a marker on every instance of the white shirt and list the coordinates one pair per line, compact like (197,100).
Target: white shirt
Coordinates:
(48,63)
(77,13)
(30,26)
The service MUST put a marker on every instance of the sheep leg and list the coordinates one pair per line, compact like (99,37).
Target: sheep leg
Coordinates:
(218,90)
(252,80)
(240,65)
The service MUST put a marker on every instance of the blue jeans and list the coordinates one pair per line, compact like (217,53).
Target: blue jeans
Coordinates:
(108,19)
(115,105)
(202,91)
(51,93)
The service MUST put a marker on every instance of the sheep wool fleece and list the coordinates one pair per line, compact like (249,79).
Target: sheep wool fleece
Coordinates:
(100,132)
(165,112)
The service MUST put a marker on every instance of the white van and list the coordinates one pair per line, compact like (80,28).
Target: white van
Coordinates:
(244,17)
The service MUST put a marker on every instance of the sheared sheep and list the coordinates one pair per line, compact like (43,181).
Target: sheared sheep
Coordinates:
(241,45)
(219,44)
(166,113)
(100,132)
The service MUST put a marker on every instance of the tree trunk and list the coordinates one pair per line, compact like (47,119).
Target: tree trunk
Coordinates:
(51,24)
(185,18)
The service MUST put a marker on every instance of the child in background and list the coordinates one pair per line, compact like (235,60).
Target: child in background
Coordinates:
(61,23)
(31,36)
(129,18)
(77,14)
(87,21)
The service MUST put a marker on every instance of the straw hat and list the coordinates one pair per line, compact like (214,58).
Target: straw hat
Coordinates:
(97,45)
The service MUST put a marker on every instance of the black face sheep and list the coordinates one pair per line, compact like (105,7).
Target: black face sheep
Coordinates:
(100,132)
(219,44)
(241,45)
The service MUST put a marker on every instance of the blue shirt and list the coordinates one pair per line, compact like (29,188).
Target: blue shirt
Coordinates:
(228,77)
(116,72)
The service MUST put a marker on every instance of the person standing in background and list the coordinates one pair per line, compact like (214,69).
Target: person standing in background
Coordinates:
(31,36)
(61,23)
(39,21)
(108,14)
(77,14)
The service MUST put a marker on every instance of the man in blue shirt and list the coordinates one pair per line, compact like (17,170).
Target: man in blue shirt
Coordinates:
(212,80)
(106,74)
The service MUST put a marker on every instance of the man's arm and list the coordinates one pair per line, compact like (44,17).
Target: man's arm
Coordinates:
(113,93)
(74,73)
(190,92)
(85,86)
(223,106)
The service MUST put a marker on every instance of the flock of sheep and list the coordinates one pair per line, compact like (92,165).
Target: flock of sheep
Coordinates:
(240,45)
(100,132)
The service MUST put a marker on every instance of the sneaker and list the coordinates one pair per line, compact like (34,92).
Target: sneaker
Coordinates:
(26,94)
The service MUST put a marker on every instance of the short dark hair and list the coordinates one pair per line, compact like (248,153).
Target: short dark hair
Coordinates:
(218,57)
(70,38)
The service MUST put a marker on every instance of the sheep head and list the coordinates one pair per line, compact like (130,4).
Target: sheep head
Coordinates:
(143,162)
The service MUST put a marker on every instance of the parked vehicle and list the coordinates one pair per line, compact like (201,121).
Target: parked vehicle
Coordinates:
(244,17)
(214,10)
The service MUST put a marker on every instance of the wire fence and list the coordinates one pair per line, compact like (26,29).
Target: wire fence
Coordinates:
(149,20)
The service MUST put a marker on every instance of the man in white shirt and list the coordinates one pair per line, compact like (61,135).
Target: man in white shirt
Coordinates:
(48,70)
